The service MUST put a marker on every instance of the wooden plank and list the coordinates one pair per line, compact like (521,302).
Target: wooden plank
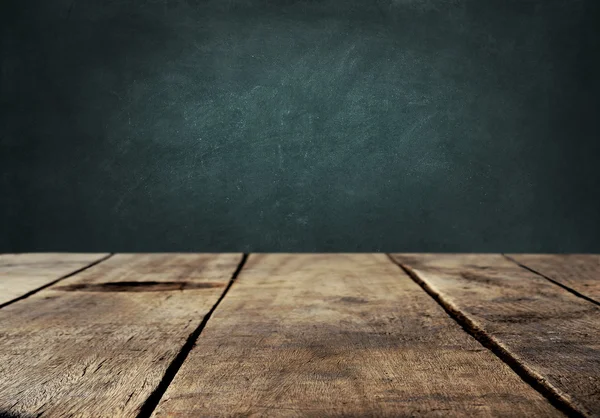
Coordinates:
(21,274)
(578,272)
(551,334)
(97,344)
(340,335)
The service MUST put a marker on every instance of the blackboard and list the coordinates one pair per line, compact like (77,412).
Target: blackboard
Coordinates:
(315,125)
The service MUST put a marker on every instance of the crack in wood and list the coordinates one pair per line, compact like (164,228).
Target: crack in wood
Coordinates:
(148,286)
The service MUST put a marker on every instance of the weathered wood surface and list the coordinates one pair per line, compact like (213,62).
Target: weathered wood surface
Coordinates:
(579,272)
(21,274)
(340,335)
(552,333)
(97,344)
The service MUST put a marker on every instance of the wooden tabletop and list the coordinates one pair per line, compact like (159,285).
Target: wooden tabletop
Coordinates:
(290,335)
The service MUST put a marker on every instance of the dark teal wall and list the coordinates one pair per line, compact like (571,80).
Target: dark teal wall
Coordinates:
(280,125)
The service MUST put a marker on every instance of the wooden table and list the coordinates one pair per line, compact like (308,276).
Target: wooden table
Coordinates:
(203,335)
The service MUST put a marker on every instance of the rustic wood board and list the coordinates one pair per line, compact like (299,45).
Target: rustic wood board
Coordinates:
(340,335)
(98,343)
(553,334)
(579,272)
(21,274)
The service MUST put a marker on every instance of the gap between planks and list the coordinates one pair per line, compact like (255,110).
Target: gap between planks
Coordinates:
(153,400)
(525,373)
(55,281)
(550,334)
(567,288)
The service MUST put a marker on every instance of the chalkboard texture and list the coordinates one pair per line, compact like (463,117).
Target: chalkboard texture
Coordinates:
(314,125)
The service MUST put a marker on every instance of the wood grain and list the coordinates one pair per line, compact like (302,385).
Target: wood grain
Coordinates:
(340,335)
(579,272)
(98,343)
(553,334)
(21,274)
